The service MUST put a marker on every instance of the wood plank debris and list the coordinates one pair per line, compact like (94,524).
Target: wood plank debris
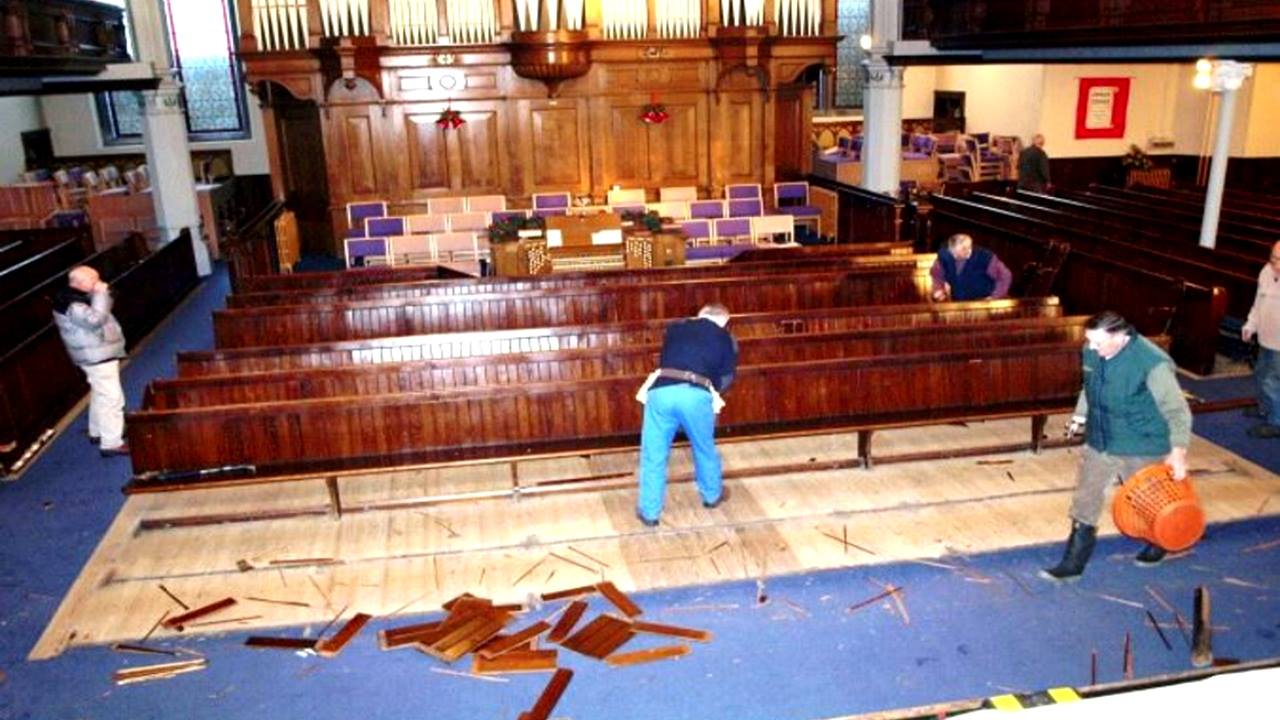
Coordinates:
(331,646)
(569,593)
(163,671)
(650,628)
(178,621)
(173,597)
(493,649)
(280,643)
(637,657)
(570,618)
(1202,630)
(619,599)
(141,649)
(516,661)
(873,599)
(405,635)
(600,637)
(1159,632)
(550,696)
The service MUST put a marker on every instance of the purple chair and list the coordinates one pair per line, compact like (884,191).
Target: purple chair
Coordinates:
(551,201)
(500,216)
(357,249)
(744,191)
(921,148)
(706,209)
(747,207)
(732,228)
(382,227)
(792,198)
(357,213)
(698,231)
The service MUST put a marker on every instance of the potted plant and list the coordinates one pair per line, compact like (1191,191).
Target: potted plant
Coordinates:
(1136,159)
(649,221)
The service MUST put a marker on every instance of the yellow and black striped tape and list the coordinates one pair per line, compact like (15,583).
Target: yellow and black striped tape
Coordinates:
(1051,696)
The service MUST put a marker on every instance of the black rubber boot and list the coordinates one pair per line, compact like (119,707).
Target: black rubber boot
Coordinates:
(1151,555)
(1079,548)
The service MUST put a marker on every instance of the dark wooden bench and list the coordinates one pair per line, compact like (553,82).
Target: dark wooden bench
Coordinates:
(1156,303)
(544,339)
(792,253)
(520,285)
(38,382)
(1248,222)
(50,252)
(1181,225)
(363,381)
(343,278)
(300,438)
(297,324)
(1240,287)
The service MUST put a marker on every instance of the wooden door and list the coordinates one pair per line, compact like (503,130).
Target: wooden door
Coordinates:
(300,153)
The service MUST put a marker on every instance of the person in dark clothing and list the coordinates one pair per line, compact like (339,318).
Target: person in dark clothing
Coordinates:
(1033,167)
(698,361)
(1133,414)
(963,272)
(95,343)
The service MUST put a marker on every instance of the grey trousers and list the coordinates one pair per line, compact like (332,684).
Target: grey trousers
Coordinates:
(1099,473)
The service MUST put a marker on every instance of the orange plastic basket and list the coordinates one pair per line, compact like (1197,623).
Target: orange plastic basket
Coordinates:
(1152,506)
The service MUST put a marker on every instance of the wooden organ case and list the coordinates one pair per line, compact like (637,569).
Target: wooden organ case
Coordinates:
(552,95)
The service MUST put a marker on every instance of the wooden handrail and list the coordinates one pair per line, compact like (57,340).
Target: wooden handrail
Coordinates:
(251,248)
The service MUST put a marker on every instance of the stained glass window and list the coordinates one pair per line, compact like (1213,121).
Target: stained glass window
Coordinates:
(853,20)
(201,39)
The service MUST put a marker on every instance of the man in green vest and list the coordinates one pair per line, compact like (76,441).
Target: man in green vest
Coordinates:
(1133,414)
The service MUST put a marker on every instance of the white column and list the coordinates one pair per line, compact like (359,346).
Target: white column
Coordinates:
(173,187)
(1218,170)
(881,126)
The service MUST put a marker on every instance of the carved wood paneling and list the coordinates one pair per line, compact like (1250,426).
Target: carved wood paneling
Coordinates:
(791,121)
(626,143)
(480,152)
(739,135)
(677,154)
(425,152)
(555,145)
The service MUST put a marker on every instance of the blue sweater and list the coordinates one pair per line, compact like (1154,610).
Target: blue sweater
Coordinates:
(699,345)
(972,281)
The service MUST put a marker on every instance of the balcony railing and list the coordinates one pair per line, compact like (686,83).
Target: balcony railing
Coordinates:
(44,37)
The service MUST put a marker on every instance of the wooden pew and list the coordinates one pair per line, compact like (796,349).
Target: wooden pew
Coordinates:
(49,252)
(864,216)
(1087,218)
(38,382)
(284,439)
(1155,303)
(344,278)
(1181,223)
(543,339)
(295,324)
(519,285)
(793,253)
(363,381)
(1249,222)
(1239,286)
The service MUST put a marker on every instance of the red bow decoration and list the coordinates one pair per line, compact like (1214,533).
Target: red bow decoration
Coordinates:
(450,118)
(654,114)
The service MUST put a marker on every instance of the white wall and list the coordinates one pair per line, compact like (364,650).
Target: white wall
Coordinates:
(17,115)
(918,84)
(1000,99)
(1262,118)
(1153,96)
(73,123)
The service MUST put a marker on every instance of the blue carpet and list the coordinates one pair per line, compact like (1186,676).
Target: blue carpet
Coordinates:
(991,629)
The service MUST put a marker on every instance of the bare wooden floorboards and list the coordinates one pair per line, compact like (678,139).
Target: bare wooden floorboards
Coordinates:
(506,548)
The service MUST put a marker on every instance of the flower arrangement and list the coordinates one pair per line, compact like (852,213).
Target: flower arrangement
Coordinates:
(450,118)
(508,230)
(650,220)
(1136,159)
(654,114)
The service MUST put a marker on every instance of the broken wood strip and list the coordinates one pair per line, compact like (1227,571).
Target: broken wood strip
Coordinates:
(1228,580)
(1122,601)
(516,661)
(529,571)
(610,639)
(1159,632)
(323,594)
(570,618)
(876,598)
(1261,546)
(493,649)
(932,563)
(269,601)
(392,638)
(475,631)
(279,643)
(994,462)
(141,649)
(406,606)
(1155,595)
(593,559)
(1018,581)
(646,656)
(541,709)
(1201,629)
(208,623)
(333,622)
(173,597)
(650,628)
(575,563)
(466,598)
(571,592)
(156,625)
(510,607)
(176,622)
(1262,506)
(598,635)
(1128,657)
(163,671)
(288,562)
(619,600)
(472,676)
(331,646)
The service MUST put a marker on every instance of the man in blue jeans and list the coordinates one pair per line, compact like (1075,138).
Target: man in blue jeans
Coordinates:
(698,360)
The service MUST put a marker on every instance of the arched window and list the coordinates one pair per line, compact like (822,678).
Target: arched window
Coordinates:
(202,37)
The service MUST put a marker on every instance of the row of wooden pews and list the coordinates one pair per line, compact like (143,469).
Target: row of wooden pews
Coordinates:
(1165,283)
(38,382)
(435,373)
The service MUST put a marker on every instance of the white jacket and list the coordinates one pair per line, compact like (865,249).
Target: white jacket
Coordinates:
(1264,317)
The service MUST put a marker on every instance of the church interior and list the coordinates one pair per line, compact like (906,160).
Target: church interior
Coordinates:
(391,273)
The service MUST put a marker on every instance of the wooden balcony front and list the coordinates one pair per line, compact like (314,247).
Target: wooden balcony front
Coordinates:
(60,37)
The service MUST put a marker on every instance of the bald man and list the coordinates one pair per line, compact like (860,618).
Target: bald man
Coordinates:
(95,342)
(1264,322)
(1033,167)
